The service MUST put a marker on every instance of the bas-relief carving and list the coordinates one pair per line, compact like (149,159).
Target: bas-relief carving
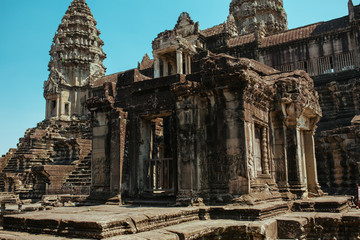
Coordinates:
(99,171)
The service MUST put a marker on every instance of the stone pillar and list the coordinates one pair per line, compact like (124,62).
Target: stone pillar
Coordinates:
(74,105)
(156,66)
(280,158)
(311,168)
(186,63)
(47,109)
(294,157)
(165,67)
(78,102)
(61,107)
(265,154)
(186,152)
(117,148)
(173,66)
(179,61)
(100,169)
(57,107)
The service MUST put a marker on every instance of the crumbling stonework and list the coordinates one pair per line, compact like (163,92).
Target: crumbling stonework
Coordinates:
(338,158)
(328,51)
(55,156)
(226,120)
(266,17)
(45,158)
(206,135)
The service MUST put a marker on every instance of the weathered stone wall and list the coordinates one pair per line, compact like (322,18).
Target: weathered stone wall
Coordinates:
(250,14)
(339,98)
(50,143)
(338,157)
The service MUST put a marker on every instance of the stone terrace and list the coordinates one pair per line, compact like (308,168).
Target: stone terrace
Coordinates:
(197,222)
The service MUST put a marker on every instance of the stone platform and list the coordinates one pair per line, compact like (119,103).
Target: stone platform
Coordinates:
(323,204)
(106,221)
(271,220)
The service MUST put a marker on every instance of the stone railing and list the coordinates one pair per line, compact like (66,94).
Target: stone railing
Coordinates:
(324,65)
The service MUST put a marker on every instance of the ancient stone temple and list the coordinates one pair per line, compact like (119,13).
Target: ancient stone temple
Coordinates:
(55,156)
(207,126)
(236,129)
(328,51)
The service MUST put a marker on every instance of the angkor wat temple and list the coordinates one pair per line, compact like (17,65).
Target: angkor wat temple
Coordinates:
(244,112)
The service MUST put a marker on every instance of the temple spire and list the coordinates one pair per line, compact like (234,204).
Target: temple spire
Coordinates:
(250,14)
(351,11)
(76,62)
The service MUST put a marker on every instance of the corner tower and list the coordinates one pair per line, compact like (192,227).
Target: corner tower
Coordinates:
(266,16)
(76,61)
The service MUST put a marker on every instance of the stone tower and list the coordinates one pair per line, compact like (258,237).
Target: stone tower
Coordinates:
(265,16)
(76,61)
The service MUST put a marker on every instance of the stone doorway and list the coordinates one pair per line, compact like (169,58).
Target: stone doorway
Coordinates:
(159,164)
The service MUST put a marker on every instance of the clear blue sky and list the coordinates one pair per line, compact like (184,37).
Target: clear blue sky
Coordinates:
(128,27)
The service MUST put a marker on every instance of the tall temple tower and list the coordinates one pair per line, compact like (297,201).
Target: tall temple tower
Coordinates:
(265,16)
(76,61)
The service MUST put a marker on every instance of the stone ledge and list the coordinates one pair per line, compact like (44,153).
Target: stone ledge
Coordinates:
(210,229)
(323,204)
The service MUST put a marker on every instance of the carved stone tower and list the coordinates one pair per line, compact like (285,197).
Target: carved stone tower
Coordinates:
(265,16)
(76,61)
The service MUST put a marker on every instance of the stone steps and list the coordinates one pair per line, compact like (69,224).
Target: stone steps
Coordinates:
(81,176)
(108,220)
(50,143)
(209,230)
(270,220)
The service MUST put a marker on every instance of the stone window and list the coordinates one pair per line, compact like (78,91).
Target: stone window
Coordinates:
(53,108)
(66,109)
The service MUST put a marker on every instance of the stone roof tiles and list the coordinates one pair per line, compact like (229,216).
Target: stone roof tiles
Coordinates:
(241,40)
(305,32)
(213,30)
(109,78)
(288,36)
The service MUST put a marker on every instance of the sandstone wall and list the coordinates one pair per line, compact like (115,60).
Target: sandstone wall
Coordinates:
(339,98)
(338,158)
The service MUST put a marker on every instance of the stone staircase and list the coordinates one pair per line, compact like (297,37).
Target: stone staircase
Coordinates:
(80,178)
(51,143)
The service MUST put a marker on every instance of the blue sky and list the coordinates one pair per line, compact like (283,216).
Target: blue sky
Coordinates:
(128,28)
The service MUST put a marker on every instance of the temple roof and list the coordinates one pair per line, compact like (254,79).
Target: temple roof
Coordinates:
(241,40)
(109,78)
(213,30)
(293,34)
(286,36)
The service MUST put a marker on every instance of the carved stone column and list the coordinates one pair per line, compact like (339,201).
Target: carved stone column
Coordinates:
(47,109)
(179,61)
(265,150)
(280,158)
(165,67)
(189,64)
(57,107)
(100,166)
(186,63)
(156,66)
(117,148)
(294,157)
(311,168)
